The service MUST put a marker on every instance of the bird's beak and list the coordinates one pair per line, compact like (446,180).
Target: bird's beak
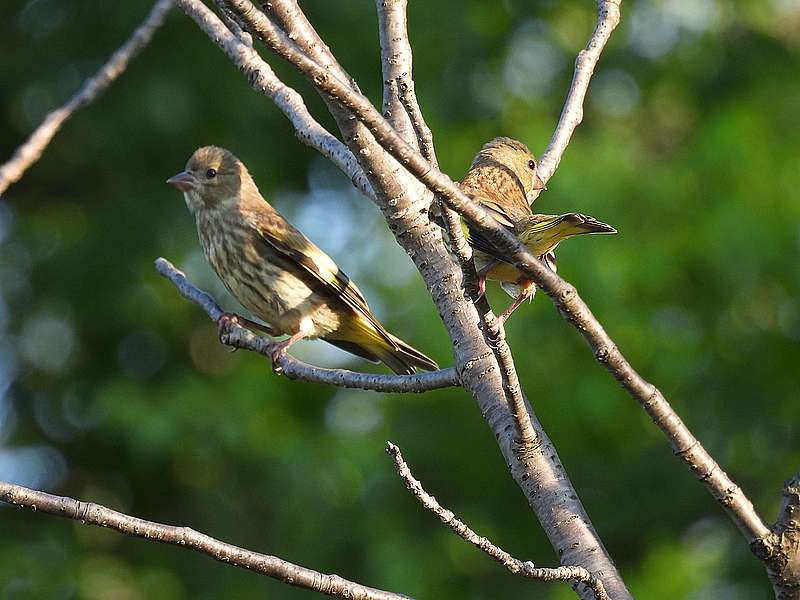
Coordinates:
(184,181)
(538,184)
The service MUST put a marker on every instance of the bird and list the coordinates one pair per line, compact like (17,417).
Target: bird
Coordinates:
(502,178)
(276,272)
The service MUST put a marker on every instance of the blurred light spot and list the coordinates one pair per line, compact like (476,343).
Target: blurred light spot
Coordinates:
(208,355)
(615,92)
(37,101)
(32,466)
(787,6)
(678,325)
(40,18)
(487,87)
(8,372)
(141,354)
(533,61)
(350,412)
(6,221)
(49,418)
(48,343)
(77,410)
(655,28)
(107,578)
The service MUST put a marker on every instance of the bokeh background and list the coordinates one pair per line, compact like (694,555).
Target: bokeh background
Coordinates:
(114,389)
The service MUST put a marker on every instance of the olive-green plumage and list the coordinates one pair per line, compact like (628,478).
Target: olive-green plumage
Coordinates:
(501,178)
(275,271)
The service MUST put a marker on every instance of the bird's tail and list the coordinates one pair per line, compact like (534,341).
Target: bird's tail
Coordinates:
(544,235)
(402,358)
(393,352)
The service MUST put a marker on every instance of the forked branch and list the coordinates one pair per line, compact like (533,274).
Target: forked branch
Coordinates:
(515,565)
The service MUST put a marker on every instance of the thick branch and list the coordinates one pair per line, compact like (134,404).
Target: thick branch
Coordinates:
(31,151)
(263,79)
(564,295)
(94,514)
(572,113)
(236,336)
(515,565)
(540,475)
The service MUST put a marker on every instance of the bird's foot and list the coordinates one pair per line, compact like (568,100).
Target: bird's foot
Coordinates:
(224,325)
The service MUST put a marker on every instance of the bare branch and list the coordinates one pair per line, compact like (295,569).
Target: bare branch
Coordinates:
(572,113)
(95,514)
(539,474)
(407,95)
(31,151)
(396,62)
(236,336)
(563,295)
(515,565)
(263,79)
(781,551)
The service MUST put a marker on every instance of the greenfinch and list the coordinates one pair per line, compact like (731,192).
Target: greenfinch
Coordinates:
(502,178)
(275,271)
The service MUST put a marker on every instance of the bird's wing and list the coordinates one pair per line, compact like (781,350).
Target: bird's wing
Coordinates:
(478,240)
(297,248)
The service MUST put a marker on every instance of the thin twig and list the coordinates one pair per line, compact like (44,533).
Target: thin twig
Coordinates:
(31,151)
(236,336)
(563,294)
(263,79)
(515,565)
(572,113)
(95,514)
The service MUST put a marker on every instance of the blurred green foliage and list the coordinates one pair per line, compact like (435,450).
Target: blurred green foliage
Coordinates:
(114,389)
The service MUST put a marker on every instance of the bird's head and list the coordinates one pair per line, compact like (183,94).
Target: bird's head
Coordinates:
(213,178)
(514,157)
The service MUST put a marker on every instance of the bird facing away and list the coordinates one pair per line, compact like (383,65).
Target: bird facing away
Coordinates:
(501,178)
(275,271)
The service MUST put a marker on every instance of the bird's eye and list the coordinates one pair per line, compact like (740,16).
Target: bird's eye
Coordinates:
(211,173)
(531,164)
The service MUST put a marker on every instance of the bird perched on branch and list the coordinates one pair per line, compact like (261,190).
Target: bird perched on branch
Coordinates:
(501,178)
(275,271)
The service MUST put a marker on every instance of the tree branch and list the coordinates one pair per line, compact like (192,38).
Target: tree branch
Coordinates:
(572,113)
(95,514)
(540,475)
(781,553)
(236,336)
(563,294)
(396,62)
(31,151)
(515,565)
(263,79)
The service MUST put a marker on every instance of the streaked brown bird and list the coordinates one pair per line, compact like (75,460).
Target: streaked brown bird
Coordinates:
(501,178)
(275,271)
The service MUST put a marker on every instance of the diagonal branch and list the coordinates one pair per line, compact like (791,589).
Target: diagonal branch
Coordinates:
(263,79)
(515,565)
(31,151)
(572,112)
(540,475)
(563,295)
(236,336)
(272,566)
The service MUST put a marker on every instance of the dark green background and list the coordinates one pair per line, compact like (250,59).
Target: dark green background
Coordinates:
(114,389)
